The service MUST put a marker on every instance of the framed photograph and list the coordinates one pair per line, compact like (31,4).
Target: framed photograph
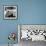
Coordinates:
(32,32)
(10,12)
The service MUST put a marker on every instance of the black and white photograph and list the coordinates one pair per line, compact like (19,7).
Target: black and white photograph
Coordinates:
(10,12)
(33,32)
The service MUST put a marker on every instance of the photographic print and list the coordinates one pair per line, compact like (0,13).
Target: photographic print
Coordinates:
(10,12)
(33,32)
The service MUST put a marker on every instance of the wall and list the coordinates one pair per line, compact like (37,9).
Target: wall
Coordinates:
(29,12)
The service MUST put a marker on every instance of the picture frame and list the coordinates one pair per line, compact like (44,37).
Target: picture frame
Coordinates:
(10,12)
(33,31)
